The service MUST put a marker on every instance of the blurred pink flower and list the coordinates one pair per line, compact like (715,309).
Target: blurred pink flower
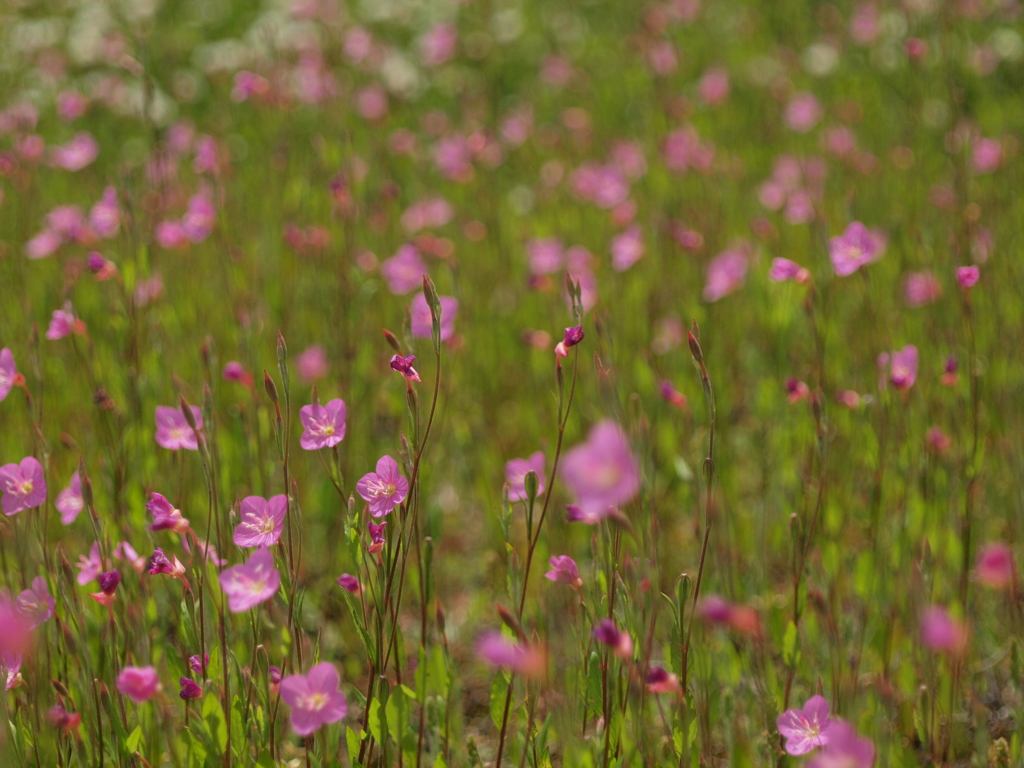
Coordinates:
(784,269)
(853,249)
(262,521)
(160,563)
(249,585)
(564,571)
(628,157)
(438,45)
(901,365)
(43,244)
(173,431)
(384,489)
(627,248)
(713,88)
(199,218)
(453,158)
(725,273)
(323,425)
(36,604)
(498,651)
(921,288)
(248,85)
(190,689)
(404,271)
(349,583)
(546,255)
(803,112)
(312,364)
(372,102)
(683,151)
(314,698)
(941,632)
(865,24)
(138,683)
(806,728)
(8,373)
(994,566)
(967,277)
(125,551)
(420,320)
(660,680)
(606,633)
(77,153)
(986,156)
(105,216)
(516,471)
(23,486)
(89,567)
(171,235)
(602,473)
(166,517)
(845,749)
(71,105)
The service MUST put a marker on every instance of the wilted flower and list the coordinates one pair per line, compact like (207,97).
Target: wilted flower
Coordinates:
(516,471)
(233,371)
(672,396)
(602,473)
(251,584)
(197,666)
(806,728)
(138,683)
(324,424)
(61,718)
(262,521)
(384,489)
(314,698)
(173,431)
(796,390)
(23,486)
(108,587)
(165,516)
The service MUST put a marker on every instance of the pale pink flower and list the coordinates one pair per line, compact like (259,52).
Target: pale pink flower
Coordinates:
(725,273)
(986,156)
(173,432)
(803,112)
(498,651)
(248,85)
(249,585)
(921,288)
(171,235)
(64,323)
(713,88)
(546,255)
(89,567)
(865,24)
(262,521)
(77,153)
(784,269)
(420,320)
(941,632)
(372,102)
(404,271)
(71,105)
(23,486)
(138,683)
(199,218)
(314,698)
(384,489)
(105,216)
(8,373)
(901,365)
(853,249)
(36,604)
(807,728)
(324,425)
(312,364)
(602,473)
(70,502)
(845,749)
(627,248)
(125,551)
(628,157)
(683,150)
(564,571)
(438,45)
(43,244)
(516,471)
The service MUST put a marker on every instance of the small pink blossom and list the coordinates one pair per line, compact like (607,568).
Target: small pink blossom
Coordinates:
(312,364)
(546,255)
(784,269)
(125,551)
(683,150)
(627,248)
(262,521)
(8,373)
(43,244)
(377,540)
(803,112)
(190,689)
(403,365)
(324,425)
(853,249)
(602,473)
(372,102)
(246,586)
(160,563)
(171,235)
(921,288)
(314,698)
(725,274)
(101,267)
(807,728)
(64,323)
(660,680)
(986,156)
(23,486)
(420,319)
(564,571)
(384,489)
(105,216)
(404,271)
(438,45)
(138,683)
(71,105)
(349,583)
(498,651)
(994,566)
(77,153)
(36,604)
(516,471)
(845,749)
(89,567)
(967,277)
(713,88)
(619,641)
(173,432)
(199,218)
(234,371)
(941,632)
(901,365)
(165,516)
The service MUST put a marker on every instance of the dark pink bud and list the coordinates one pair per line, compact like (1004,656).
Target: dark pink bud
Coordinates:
(275,675)
(108,581)
(349,583)
(190,689)
(196,666)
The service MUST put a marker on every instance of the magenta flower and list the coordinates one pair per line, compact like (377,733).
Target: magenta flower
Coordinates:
(349,583)
(921,288)
(251,584)
(986,156)
(22,485)
(385,489)
(161,563)
(8,373)
(516,471)
(190,689)
(620,642)
(784,269)
(171,234)
(105,216)
(803,112)
(324,424)
(197,666)
(199,218)
(77,153)
(108,582)
(805,728)
(377,540)
(546,256)
(602,473)
(564,571)
(420,321)
(660,680)
(967,277)
(165,516)
(138,683)
(314,698)
(233,371)
(573,336)
(64,323)
(994,566)
(262,521)
(845,749)
(854,248)
(725,274)
(902,366)
(312,364)
(404,366)
(89,567)
(70,502)
(36,604)
(627,248)
(941,632)
(404,271)
(173,432)
(498,651)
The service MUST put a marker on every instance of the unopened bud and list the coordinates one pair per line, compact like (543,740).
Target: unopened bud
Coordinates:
(695,349)
(392,340)
(510,621)
(270,386)
(186,411)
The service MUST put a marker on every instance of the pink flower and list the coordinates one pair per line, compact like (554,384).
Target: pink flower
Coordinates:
(967,277)
(725,274)
(8,373)
(602,473)
(994,566)
(865,25)
(262,521)
(233,371)
(420,320)
(807,728)
(171,235)
(516,471)
(173,432)
(498,651)
(312,364)
(784,269)
(404,271)
(941,632)
(70,502)
(404,366)
(10,666)
(803,112)
(197,666)
(986,156)
(349,583)
(89,567)
(620,642)
(138,683)
(683,150)
(546,255)
(190,689)
(902,366)
(36,604)
(314,698)
(628,157)
(125,551)
(105,216)
(77,153)
(845,749)
(453,158)
(372,102)
(160,563)
(438,45)
(108,587)
(921,288)
(713,88)
(64,323)
(101,267)
(384,489)
(377,540)
(627,248)
(22,485)
(672,396)
(71,105)
(573,336)
(564,571)
(660,680)
(199,218)
(251,584)
(324,425)
(43,244)
(165,516)
(853,249)
(796,390)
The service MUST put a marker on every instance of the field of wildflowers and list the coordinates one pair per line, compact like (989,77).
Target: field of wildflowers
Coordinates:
(511,383)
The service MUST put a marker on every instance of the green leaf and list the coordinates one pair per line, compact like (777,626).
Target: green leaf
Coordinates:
(265,760)
(373,722)
(132,742)
(499,690)
(213,716)
(352,741)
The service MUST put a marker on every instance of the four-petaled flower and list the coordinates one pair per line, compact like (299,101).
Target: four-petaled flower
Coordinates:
(385,489)
(165,516)
(173,432)
(404,366)
(262,521)
(603,473)
(314,698)
(324,424)
(251,584)
(856,247)
(805,728)
(22,485)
